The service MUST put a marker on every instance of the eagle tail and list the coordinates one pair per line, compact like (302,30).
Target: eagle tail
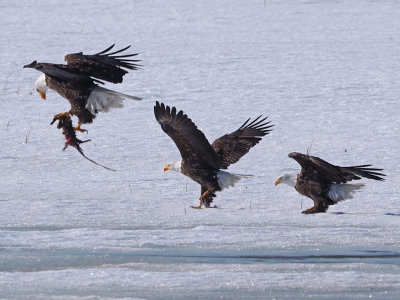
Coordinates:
(340,192)
(118,94)
(102,99)
(244,176)
(226,179)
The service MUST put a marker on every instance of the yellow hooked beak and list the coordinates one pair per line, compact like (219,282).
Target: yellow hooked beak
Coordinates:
(42,95)
(166,168)
(278,181)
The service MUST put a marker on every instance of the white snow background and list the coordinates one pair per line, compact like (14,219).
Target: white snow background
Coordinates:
(327,73)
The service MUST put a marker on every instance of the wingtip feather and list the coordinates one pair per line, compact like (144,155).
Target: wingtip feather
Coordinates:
(106,50)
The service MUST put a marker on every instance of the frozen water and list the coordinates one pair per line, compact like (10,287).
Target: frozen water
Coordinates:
(326,73)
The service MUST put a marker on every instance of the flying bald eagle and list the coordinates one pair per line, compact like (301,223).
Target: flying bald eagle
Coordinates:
(78,81)
(203,162)
(324,183)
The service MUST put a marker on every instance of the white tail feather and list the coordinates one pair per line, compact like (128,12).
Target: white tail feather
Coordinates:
(226,180)
(340,192)
(102,99)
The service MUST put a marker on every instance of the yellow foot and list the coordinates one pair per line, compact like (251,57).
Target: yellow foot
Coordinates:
(78,128)
(311,210)
(197,207)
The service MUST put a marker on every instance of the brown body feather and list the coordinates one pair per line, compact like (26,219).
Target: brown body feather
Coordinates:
(82,74)
(76,97)
(201,161)
(317,176)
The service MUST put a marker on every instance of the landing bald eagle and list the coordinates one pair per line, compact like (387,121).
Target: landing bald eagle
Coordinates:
(324,183)
(78,81)
(203,162)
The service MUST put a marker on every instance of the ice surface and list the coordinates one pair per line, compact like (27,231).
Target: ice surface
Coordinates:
(327,73)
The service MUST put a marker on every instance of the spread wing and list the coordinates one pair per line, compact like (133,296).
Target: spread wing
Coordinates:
(103,65)
(231,147)
(334,174)
(64,75)
(191,142)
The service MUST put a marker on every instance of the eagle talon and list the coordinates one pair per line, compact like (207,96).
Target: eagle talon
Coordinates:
(82,130)
(78,128)
(196,207)
(311,210)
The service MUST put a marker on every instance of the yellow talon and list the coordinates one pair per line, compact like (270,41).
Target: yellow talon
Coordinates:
(197,207)
(78,128)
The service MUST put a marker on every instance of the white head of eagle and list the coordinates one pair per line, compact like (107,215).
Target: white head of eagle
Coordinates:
(203,162)
(41,87)
(174,166)
(289,179)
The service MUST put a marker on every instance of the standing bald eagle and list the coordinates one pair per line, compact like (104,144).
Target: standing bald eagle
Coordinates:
(78,80)
(324,183)
(203,162)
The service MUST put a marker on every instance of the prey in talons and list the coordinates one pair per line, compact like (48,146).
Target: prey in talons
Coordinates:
(65,123)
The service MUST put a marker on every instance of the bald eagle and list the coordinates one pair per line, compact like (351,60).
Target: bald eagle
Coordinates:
(78,81)
(203,162)
(324,183)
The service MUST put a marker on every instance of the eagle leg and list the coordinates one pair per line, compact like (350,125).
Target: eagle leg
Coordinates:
(201,201)
(206,198)
(78,128)
(204,195)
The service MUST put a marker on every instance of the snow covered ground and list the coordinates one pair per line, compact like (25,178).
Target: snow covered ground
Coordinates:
(327,73)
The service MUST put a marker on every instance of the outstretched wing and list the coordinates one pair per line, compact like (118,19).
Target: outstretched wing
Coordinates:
(334,174)
(64,75)
(103,65)
(190,141)
(231,147)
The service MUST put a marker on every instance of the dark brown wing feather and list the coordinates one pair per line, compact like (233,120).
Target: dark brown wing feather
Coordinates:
(231,147)
(190,141)
(64,75)
(103,65)
(334,174)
